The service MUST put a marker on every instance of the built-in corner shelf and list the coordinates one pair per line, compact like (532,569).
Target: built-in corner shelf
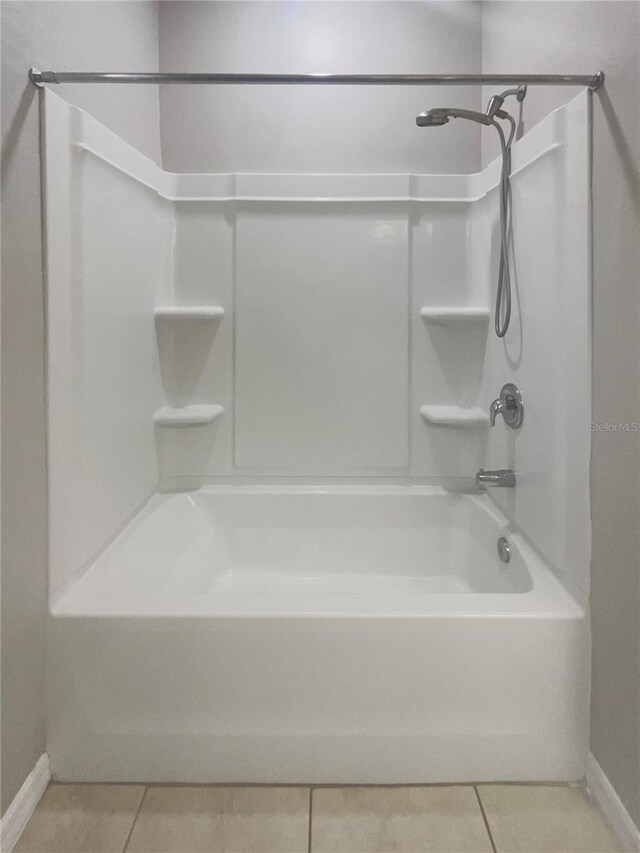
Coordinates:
(441,316)
(201,313)
(187,416)
(455,416)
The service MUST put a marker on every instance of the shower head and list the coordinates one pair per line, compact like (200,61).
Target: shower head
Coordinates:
(432,118)
(441,115)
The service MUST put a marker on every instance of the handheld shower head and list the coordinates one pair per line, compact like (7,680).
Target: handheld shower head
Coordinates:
(441,115)
(432,118)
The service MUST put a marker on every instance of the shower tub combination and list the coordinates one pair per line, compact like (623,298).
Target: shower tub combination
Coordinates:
(213,619)
(287,634)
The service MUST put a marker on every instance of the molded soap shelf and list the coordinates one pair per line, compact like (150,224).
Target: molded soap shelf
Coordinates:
(186,416)
(189,312)
(454,416)
(450,316)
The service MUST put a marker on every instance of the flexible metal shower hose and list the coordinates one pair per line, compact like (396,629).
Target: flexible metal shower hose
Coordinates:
(503,294)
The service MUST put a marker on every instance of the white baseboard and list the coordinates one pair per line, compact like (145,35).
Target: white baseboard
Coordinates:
(612,806)
(24,803)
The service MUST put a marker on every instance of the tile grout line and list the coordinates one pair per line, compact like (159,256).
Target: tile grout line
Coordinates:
(135,819)
(310,817)
(485,819)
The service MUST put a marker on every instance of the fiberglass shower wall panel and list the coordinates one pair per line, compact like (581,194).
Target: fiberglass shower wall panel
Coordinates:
(447,358)
(196,358)
(322,361)
(546,352)
(321,352)
(108,247)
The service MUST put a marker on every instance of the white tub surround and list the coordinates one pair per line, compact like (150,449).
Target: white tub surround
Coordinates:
(322,330)
(328,635)
(257,283)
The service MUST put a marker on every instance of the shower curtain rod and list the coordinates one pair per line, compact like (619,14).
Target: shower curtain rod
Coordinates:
(592,81)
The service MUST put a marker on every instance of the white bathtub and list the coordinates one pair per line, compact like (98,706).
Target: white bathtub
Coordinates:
(284,634)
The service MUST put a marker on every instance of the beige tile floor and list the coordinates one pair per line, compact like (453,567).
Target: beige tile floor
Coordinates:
(273,819)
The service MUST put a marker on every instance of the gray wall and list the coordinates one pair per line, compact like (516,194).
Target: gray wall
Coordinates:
(81,35)
(582,37)
(329,128)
